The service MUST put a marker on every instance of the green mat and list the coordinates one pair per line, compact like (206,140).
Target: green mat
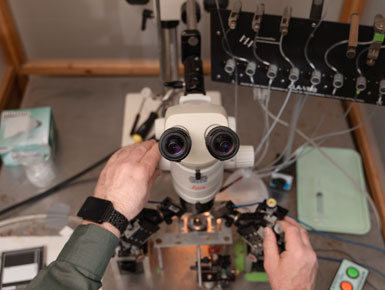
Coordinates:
(327,199)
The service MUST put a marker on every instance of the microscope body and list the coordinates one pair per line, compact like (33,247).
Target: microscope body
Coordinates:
(197,174)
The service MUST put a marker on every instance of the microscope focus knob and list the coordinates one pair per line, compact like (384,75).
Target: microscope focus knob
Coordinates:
(245,157)
(232,123)
(159,128)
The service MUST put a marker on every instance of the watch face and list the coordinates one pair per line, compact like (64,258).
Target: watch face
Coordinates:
(94,209)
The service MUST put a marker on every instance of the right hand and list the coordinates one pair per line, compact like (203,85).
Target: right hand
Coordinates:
(296,267)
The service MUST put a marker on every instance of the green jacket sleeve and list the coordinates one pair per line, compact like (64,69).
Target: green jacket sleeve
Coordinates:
(82,262)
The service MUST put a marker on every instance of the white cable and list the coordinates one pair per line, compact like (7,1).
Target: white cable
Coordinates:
(283,53)
(266,117)
(275,120)
(26,218)
(311,141)
(326,59)
(311,64)
(226,41)
(265,62)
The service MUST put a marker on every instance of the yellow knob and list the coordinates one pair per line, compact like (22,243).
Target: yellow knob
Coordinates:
(137,138)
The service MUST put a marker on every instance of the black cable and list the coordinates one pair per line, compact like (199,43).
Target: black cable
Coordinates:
(55,188)
(347,255)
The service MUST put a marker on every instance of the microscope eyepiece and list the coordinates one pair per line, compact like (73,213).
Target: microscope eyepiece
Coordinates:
(222,143)
(175,144)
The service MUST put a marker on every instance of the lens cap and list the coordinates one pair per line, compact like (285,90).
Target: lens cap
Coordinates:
(222,143)
(175,144)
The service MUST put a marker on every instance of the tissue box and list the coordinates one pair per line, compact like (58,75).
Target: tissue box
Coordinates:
(26,130)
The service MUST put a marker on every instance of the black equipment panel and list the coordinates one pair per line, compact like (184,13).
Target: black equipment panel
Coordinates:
(328,33)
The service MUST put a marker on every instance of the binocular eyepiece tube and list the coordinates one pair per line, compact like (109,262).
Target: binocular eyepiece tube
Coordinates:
(222,143)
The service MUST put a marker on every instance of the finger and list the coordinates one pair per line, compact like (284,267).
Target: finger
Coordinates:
(304,234)
(270,249)
(292,236)
(292,222)
(135,153)
(124,151)
(152,156)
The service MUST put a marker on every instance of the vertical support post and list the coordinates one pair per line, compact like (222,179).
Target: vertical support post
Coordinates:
(316,10)
(13,51)
(160,258)
(199,269)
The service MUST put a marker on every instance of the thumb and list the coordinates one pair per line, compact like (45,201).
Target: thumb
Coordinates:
(270,249)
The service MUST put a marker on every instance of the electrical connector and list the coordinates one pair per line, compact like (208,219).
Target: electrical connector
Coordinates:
(250,69)
(230,66)
(338,81)
(257,19)
(361,83)
(272,71)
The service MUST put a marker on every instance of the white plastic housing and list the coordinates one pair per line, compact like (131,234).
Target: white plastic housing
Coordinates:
(192,190)
(196,118)
(244,158)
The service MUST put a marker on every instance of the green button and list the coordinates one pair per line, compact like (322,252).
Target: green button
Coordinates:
(352,272)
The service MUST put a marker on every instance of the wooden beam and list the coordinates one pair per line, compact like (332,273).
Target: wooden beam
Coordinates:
(361,139)
(361,135)
(351,6)
(11,46)
(11,40)
(6,85)
(96,67)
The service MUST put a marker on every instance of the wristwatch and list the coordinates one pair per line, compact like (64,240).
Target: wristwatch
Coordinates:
(100,210)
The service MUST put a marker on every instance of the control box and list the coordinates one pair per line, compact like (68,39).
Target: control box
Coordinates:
(349,276)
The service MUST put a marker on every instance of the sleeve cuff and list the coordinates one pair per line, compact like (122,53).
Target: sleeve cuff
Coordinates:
(90,248)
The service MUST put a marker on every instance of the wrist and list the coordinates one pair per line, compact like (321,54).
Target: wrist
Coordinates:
(107,226)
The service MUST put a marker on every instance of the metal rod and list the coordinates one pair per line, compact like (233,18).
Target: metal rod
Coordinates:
(191,15)
(160,258)
(169,56)
(160,40)
(199,269)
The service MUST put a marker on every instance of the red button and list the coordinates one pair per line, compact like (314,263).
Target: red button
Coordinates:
(345,285)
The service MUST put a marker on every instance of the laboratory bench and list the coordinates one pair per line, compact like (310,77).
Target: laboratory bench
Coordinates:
(88,115)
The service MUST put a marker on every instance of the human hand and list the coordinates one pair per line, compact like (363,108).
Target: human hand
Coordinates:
(127,179)
(296,267)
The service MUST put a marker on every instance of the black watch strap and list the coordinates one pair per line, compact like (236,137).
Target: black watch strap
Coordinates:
(100,210)
(118,220)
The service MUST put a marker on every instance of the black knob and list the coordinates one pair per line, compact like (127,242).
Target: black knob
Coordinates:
(147,14)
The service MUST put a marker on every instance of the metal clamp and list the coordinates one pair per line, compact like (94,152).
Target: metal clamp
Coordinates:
(285,21)
(257,19)
(234,15)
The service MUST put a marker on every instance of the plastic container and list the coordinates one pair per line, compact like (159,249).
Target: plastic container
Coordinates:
(39,167)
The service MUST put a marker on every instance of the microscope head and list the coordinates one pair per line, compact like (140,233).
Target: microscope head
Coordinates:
(197,134)
(198,141)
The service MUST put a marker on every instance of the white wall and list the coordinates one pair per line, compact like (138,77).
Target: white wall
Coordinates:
(111,28)
(108,28)
(372,8)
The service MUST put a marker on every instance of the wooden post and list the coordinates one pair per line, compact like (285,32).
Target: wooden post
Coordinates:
(360,135)
(11,44)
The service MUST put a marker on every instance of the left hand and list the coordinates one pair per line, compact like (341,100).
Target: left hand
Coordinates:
(127,179)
